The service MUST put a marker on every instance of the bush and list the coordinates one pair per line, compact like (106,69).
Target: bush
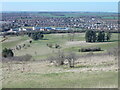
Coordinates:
(7,53)
(22,58)
(71,57)
(30,41)
(89,49)
(49,45)
(57,46)
(61,57)
(37,36)
(58,59)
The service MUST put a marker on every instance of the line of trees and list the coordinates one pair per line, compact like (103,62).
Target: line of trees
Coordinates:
(36,35)
(93,36)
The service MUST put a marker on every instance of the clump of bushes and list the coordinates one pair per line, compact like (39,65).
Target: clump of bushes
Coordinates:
(60,58)
(7,53)
(57,46)
(89,49)
(36,36)
(30,41)
(49,45)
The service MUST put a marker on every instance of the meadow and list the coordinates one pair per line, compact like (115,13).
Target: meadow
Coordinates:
(98,70)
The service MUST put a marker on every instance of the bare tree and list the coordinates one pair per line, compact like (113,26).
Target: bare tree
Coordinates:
(25,59)
(71,57)
(58,59)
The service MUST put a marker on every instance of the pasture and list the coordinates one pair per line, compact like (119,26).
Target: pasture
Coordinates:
(98,70)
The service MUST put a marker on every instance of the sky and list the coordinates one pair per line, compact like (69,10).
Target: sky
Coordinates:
(61,6)
(59,0)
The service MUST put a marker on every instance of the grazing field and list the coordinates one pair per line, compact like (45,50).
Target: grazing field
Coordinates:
(92,69)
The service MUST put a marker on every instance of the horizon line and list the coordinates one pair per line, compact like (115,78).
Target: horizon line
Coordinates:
(66,11)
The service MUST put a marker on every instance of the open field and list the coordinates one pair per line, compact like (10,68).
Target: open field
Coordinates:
(98,70)
(73,14)
(64,80)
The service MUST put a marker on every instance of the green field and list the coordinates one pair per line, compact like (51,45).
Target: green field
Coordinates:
(114,18)
(73,14)
(43,51)
(89,72)
(63,80)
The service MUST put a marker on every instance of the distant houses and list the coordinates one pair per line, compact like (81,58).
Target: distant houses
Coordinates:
(36,29)
(33,21)
(61,28)
(13,30)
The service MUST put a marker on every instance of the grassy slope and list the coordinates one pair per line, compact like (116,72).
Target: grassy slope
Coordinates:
(104,46)
(42,51)
(58,80)
(64,80)
(13,43)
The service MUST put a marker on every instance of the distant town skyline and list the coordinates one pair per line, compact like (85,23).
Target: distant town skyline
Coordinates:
(61,6)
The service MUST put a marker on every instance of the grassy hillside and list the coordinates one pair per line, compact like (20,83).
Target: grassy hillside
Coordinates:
(63,80)
(40,50)
(89,71)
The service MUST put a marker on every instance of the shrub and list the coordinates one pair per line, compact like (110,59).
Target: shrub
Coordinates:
(57,46)
(30,41)
(61,57)
(71,57)
(108,36)
(37,36)
(58,59)
(23,58)
(7,53)
(89,49)
(49,45)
